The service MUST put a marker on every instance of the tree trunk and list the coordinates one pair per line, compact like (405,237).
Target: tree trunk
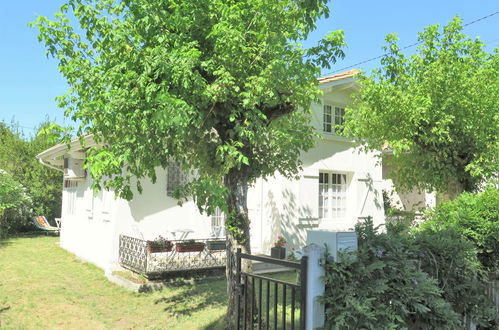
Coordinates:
(238,236)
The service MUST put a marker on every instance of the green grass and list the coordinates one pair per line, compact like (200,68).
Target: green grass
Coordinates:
(44,287)
(290,277)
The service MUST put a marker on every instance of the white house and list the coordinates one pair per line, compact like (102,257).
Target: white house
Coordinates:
(338,186)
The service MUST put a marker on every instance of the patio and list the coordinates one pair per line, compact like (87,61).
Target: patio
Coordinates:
(140,256)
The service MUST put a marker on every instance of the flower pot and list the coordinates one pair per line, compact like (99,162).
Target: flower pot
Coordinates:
(216,245)
(189,247)
(152,248)
(278,252)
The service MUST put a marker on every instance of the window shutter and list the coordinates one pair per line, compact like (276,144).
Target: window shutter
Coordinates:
(308,197)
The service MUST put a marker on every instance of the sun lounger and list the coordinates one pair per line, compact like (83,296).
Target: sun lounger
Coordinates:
(41,223)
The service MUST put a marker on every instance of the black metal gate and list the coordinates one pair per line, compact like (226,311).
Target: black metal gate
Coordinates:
(271,303)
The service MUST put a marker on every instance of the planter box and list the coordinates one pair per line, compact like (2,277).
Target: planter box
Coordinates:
(216,245)
(278,252)
(157,249)
(189,247)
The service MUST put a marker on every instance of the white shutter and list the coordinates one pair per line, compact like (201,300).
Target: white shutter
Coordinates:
(308,197)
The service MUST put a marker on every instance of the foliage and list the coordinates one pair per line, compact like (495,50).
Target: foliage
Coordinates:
(280,242)
(222,87)
(197,81)
(160,241)
(403,280)
(15,205)
(41,184)
(476,217)
(436,110)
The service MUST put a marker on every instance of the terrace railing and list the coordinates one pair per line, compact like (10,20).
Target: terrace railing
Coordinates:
(139,256)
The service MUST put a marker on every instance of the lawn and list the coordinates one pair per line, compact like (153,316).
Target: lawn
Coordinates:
(43,286)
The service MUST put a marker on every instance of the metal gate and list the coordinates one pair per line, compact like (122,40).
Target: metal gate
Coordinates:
(271,303)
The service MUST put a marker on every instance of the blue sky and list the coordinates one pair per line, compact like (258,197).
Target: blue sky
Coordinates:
(29,82)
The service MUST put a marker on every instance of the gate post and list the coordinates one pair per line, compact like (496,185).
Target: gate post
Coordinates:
(315,311)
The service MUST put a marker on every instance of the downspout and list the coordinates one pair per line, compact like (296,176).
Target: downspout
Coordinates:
(49,165)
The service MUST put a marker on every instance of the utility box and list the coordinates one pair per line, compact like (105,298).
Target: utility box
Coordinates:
(335,241)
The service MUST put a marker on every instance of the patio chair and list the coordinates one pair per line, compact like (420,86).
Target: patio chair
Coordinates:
(41,223)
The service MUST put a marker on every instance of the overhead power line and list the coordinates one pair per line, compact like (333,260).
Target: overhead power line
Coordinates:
(403,48)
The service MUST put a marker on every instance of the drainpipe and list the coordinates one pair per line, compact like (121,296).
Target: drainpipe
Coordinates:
(43,162)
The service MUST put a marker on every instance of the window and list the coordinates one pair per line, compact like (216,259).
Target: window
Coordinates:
(175,178)
(333,121)
(332,195)
(71,186)
(217,224)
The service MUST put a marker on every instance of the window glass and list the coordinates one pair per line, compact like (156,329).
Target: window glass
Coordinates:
(217,224)
(327,118)
(332,195)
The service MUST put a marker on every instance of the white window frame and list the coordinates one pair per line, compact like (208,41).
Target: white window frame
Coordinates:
(218,224)
(332,117)
(333,192)
(175,177)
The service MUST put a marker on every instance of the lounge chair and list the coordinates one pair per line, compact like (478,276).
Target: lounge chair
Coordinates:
(41,223)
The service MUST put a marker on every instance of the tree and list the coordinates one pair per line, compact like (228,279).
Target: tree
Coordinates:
(42,185)
(223,87)
(437,110)
(15,205)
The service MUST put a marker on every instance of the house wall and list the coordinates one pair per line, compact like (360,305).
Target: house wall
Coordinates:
(277,206)
(413,200)
(87,223)
(92,229)
(289,207)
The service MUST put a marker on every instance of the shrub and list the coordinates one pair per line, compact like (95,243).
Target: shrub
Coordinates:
(452,260)
(15,205)
(399,279)
(474,216)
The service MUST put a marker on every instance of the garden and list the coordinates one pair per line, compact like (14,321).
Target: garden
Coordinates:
(441,274)
(44,286)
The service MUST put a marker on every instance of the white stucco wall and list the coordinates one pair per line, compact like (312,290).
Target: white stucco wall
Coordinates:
(277,206)
(280,205)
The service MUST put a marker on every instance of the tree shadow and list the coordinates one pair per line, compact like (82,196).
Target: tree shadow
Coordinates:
(4,242)
(193,298)
(218,324)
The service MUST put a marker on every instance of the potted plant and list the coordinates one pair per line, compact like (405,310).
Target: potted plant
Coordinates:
(159,244)
(216,245)
(189,246)
(278,251)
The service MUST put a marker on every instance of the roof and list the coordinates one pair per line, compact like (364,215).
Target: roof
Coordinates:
(52,156)
(338,76)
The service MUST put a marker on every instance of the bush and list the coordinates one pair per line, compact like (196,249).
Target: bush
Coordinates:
(15,206)
(474,216)
(398,279)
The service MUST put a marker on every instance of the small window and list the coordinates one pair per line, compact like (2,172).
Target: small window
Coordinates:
(327,118)
(332,195)
(175,178)
(339,119)
(333,121)
(217,224)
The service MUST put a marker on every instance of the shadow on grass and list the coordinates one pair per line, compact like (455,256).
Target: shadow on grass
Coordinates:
(4,242)
(194,298)
(218,324)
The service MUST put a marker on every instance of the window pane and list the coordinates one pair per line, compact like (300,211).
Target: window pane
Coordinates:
(327,119)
